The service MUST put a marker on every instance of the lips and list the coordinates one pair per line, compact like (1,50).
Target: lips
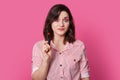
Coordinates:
(61,28)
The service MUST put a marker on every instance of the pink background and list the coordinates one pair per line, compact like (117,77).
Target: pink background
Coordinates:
(97,25)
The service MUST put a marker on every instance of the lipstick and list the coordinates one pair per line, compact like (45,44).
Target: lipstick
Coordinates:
(49,38)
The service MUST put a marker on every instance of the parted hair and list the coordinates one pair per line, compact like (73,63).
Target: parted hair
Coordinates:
(53,14)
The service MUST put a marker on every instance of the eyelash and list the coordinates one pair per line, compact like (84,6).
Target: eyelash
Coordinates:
(65,20)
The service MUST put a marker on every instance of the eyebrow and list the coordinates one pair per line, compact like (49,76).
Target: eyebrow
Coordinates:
(66,17)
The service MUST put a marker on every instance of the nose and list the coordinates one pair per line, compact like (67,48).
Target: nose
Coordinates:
(61,24)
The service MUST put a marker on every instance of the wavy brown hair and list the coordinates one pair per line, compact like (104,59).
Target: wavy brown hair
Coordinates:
(53,14)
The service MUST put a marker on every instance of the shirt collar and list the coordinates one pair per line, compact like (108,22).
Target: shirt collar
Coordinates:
(67,46)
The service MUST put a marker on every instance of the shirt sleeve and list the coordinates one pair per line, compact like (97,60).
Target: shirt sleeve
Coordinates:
(36,57)
(84,67)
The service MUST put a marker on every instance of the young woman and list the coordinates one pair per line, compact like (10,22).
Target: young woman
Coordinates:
(60,56)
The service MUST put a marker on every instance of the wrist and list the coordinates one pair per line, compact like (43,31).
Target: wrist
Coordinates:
(46,62)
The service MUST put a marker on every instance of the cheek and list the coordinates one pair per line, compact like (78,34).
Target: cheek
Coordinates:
(53,25)
(67,26)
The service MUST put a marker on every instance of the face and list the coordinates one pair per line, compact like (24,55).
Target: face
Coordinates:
(61,25)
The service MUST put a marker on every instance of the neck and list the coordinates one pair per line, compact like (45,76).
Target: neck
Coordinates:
(58,40)
(59,43)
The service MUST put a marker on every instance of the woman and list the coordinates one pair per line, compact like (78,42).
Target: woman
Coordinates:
(59,56)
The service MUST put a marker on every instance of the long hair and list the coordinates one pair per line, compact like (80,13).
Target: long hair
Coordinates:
(53,14)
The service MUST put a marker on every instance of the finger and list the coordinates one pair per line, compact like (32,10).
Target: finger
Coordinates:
(48,46)
(45,54)
(45,49)
(44,42)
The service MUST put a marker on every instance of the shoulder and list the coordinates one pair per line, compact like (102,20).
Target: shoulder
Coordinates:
(38,44)
(79,43)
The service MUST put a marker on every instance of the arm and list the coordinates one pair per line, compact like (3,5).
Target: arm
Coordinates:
(85,78)
(42,71)
(84,66)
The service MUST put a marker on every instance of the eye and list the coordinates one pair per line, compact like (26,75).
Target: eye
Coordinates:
(66,20)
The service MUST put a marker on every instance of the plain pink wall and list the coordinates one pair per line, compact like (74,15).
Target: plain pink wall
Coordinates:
(97,24)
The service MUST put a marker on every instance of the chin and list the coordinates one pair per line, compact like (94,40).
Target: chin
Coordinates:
(61,34)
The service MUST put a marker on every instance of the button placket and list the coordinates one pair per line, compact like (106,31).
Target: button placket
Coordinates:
(61,75)
(61,78)
(60,53)
(61,67)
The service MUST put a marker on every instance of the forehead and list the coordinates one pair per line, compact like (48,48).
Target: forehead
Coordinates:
(63,14)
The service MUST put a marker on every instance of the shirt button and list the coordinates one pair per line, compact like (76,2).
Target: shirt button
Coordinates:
(61,77)
(74,59)
(60,65)
(59,53)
